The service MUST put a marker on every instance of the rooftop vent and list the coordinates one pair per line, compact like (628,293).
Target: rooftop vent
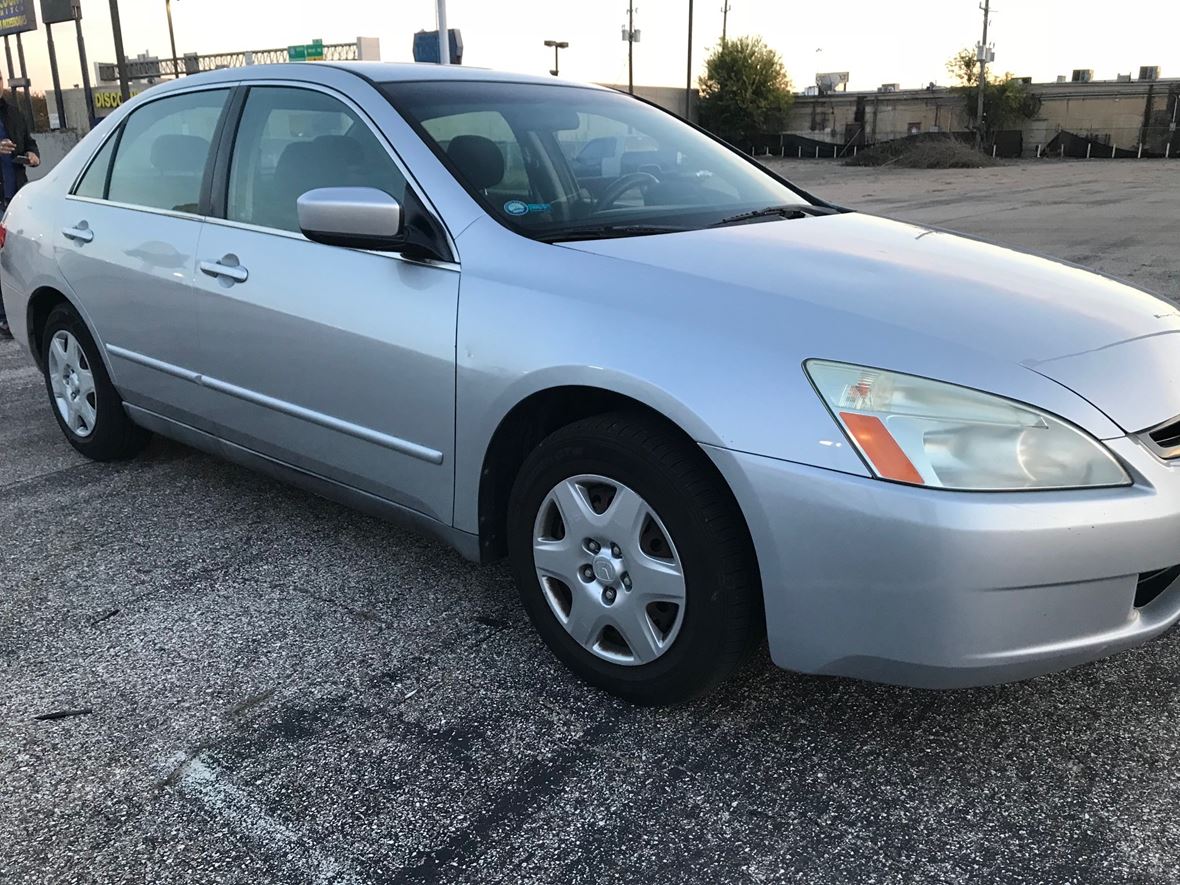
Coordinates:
(1082,75)
(1149,72)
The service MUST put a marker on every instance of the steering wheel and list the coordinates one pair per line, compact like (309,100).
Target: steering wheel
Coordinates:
(624,183)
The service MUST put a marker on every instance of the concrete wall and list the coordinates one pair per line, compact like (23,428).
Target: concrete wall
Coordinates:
(670,98)
(1115,112)
(54,145)
(841,117)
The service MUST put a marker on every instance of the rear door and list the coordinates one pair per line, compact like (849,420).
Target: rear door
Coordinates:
(126,243)
(339,361)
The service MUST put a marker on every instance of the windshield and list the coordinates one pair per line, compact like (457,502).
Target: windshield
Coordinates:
(567,162)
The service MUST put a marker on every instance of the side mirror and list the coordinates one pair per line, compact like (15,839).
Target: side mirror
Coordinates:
(355,217)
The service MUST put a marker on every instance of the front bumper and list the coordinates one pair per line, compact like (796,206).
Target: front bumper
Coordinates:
(942,589)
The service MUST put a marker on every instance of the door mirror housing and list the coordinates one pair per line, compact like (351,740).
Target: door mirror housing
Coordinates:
(354,217)
(368,218)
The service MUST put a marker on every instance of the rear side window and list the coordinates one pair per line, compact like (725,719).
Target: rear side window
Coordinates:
(161,158)
(94,182)
(291,141)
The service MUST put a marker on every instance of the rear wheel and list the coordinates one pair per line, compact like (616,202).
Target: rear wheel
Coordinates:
(633,560)
(86,405)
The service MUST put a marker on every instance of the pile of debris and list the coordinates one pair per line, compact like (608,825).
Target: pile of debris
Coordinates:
(922,153)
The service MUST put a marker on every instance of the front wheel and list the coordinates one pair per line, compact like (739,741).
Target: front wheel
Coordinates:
(633,560)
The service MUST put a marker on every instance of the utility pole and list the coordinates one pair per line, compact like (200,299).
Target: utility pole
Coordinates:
(172,39)
(982,56)
(631,46)
(120,56)
(724,21)
(688,76)
(444,36)
(557,45)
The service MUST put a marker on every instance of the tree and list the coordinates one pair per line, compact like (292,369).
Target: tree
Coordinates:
(745,89)
(1007,102)
(964,67)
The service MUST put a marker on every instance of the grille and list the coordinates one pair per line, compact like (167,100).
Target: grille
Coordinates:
(1152,584)
(1165,439)
(1168,436)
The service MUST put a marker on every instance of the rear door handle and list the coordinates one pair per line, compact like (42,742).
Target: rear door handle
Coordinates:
(81,234)
(227,268)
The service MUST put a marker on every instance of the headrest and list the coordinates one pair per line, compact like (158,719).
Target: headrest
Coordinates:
(478,160)
(180,153)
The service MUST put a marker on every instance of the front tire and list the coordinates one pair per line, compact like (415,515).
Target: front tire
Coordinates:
(87,407)
(633,560)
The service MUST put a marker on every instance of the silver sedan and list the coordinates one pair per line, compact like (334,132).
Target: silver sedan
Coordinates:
(695,406)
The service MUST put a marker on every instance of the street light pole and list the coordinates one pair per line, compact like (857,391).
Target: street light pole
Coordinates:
(120,56)
(557,45)
(172,39)
(444,36)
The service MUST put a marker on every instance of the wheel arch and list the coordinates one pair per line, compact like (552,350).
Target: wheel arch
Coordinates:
(526,424)
(41,303)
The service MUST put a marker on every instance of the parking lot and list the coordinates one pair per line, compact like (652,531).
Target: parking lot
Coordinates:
(255,685)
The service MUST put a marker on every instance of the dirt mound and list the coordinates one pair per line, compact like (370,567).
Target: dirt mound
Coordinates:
(926,153)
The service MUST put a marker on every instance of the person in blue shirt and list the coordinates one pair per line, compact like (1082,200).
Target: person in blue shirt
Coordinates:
(18,150)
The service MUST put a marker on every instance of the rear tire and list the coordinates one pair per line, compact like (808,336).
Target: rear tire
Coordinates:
(660,523)
(87,407)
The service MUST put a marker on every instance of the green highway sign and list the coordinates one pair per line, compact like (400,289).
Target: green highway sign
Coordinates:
(313,51)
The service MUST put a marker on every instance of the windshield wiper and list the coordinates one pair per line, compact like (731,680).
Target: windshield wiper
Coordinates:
(606,231)
(768,212)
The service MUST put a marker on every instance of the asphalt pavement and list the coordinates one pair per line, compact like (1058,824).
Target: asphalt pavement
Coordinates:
(206,677)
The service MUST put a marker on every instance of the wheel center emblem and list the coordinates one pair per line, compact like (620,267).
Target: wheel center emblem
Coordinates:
(604,570)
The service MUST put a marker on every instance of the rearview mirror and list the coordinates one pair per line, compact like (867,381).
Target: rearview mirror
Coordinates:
(355,217)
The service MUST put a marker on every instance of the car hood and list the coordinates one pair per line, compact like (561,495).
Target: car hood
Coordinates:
(1113,344)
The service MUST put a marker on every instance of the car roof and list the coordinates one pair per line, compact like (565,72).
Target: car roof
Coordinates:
(400,71)
(379,72)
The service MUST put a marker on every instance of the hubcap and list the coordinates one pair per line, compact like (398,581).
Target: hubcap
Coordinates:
(72,383)
(609,570)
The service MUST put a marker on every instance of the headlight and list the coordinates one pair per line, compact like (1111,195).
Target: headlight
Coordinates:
(924,432)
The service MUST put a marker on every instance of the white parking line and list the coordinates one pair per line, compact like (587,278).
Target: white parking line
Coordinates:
(203,780)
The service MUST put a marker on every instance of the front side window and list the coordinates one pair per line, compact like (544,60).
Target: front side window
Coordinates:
(291,141)
(553,161)
(161,157)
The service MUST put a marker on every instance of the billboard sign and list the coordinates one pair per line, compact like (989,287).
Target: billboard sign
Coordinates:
(426,46)
(53,11)
(17,16)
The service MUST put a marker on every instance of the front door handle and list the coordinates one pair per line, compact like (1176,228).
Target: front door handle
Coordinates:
(81,233)
(227,268)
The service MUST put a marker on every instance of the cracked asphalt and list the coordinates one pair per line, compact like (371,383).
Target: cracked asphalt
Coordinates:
(253,685)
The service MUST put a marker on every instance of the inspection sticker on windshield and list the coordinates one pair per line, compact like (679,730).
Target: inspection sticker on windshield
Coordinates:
(519,207)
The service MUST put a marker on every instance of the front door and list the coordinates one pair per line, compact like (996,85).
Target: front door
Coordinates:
(341,362)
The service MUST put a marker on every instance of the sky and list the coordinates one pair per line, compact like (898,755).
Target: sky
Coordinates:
(877,41)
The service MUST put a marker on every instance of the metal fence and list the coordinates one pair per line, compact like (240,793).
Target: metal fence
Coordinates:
(1009,144)
(195,64)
